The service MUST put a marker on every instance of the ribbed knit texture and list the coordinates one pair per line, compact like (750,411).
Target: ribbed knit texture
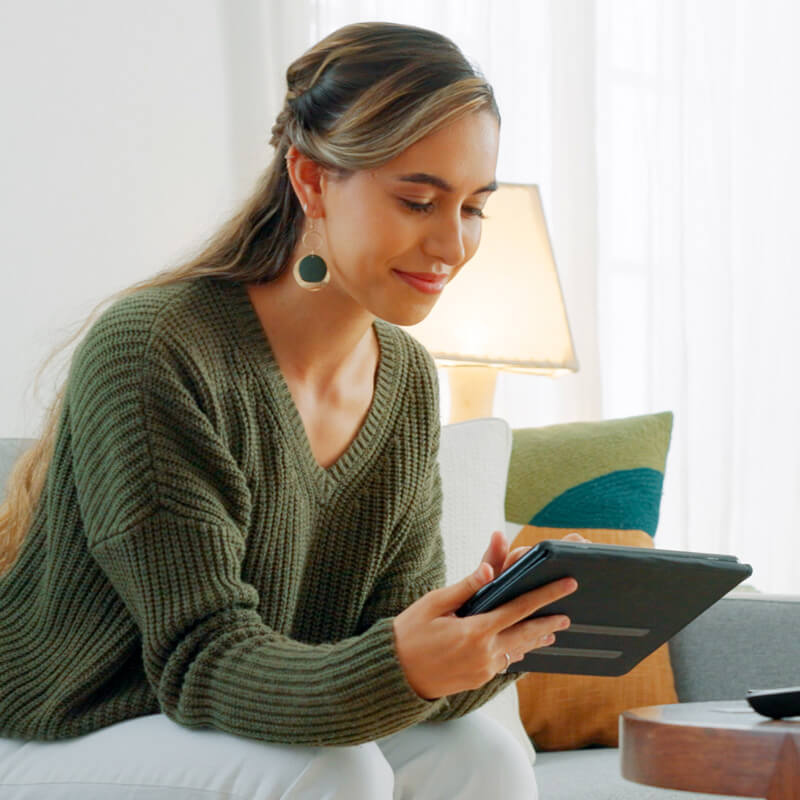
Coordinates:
(190,556)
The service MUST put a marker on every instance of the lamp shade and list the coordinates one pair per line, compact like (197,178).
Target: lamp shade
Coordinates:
(504,308)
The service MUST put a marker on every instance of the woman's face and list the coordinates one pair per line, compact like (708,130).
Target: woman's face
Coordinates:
(419,213)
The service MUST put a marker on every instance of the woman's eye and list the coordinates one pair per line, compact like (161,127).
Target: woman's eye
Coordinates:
(421,207)
(425,208)
(475,212)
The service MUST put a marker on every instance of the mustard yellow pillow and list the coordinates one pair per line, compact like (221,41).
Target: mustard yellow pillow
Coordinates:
(564,712)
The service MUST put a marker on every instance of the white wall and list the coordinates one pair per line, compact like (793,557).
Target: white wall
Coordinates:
(129,132)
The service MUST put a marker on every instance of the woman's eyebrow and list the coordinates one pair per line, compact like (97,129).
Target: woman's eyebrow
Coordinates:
(441,183)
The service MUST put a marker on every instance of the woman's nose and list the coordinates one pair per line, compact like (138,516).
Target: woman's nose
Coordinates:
(445,241)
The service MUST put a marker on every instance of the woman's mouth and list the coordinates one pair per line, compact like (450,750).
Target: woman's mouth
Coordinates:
(425,282)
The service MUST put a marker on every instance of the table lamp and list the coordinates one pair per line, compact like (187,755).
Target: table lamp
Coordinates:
(504,310)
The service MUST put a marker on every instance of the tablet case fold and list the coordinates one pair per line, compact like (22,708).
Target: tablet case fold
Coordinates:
(629,601)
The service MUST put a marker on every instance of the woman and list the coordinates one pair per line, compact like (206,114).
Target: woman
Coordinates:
(231,521)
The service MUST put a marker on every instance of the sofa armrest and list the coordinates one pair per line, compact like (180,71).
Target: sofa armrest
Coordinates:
(745,641)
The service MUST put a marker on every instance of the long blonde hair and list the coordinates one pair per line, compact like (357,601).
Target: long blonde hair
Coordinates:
(354,101)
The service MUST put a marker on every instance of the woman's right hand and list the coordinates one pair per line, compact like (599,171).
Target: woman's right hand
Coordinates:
(442,654)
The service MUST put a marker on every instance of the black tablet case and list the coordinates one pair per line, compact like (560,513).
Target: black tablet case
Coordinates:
(629,601)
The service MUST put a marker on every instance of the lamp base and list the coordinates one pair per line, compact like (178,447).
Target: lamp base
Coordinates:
(471,392)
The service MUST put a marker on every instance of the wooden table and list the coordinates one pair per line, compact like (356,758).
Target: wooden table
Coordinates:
(720,747)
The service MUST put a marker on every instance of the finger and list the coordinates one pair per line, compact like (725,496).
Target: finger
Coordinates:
(443,601)
(531,634)
(574,537)
(518,652)
(497,551)
(515,556)
(526,604)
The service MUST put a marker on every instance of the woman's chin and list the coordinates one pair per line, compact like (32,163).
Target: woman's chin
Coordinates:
(406,316)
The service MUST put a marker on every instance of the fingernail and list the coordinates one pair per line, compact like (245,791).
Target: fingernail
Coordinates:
(547,639)
(564,623)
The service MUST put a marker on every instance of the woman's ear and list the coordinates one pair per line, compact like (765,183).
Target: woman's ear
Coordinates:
(307,178)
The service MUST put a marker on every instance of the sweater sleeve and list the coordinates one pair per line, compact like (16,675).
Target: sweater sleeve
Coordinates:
(165,508)
(418,568)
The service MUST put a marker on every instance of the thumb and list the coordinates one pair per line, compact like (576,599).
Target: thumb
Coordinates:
(448,599)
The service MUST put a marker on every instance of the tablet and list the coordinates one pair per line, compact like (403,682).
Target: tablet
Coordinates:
(629,600)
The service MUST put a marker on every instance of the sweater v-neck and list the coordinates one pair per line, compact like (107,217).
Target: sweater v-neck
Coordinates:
(369,439)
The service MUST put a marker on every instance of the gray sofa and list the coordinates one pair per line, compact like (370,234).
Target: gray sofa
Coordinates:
(747,640)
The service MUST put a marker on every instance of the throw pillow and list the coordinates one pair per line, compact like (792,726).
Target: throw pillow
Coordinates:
(606,474)
(473,463)
(563,712)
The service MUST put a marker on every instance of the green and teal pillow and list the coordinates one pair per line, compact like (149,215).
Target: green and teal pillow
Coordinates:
(606,474)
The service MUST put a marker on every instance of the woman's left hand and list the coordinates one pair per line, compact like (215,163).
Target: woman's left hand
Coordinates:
(575,537)
(498,555)
(501,558)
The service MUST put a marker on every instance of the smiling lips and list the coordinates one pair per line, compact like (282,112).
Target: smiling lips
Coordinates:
(426,282)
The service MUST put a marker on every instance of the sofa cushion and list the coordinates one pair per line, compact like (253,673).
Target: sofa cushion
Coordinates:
(606,474)
(595,775)
(473,462)
(562,712)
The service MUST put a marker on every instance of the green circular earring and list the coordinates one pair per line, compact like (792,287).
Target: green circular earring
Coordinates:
(311,272)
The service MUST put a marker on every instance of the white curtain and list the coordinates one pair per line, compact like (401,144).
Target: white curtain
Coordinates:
(664,136)
(698,124)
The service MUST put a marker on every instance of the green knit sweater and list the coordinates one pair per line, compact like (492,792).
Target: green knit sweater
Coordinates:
(190,556)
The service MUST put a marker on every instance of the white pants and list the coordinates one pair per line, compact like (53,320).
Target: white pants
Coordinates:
(153,758)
